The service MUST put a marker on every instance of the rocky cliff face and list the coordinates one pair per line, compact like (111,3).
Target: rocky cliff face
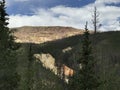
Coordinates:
(29,34)
(47,61)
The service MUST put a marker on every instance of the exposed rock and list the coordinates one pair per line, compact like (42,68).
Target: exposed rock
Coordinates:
(66,49)
(47,61)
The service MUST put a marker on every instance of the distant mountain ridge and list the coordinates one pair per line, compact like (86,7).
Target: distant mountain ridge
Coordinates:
(41,34)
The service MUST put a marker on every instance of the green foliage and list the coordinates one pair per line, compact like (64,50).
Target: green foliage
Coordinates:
(44,79)
(85,77)
(9,77)
(40,78)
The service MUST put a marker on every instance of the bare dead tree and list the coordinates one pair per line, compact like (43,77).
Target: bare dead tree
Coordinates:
(95,20)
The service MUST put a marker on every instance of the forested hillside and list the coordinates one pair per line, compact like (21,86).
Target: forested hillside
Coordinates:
(40,49)
(106,52)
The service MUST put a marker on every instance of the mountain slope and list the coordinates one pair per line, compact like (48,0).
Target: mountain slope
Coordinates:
(106,48)
(29,34)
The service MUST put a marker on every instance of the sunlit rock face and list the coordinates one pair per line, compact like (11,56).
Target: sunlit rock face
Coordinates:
(29,34)
(47,61)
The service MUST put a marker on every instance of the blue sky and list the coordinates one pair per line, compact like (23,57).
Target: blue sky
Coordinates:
(73,13)
(24,7)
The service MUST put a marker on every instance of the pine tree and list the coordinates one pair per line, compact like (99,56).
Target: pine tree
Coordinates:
(8,75)
(85,78)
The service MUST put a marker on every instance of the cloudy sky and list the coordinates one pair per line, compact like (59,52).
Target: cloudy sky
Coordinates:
(73,13)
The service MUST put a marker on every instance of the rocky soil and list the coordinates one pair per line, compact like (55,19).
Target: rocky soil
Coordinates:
(29,34)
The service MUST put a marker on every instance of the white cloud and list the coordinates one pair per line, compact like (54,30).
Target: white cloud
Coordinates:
(51,17)
(69,16)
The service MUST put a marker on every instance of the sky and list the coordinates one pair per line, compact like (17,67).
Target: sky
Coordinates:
(72,13)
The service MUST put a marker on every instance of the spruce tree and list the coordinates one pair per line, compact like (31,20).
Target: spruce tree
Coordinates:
(8,75)
(85,77)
